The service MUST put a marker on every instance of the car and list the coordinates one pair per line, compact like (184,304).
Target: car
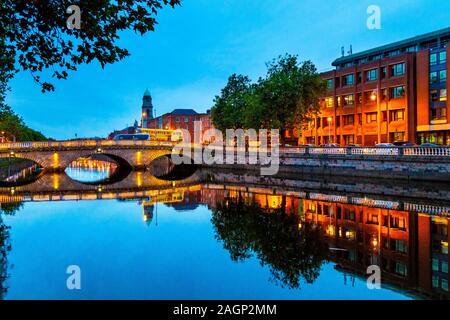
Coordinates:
(385,145)
(330,145)
(432,145)
(354,145)
(404,144)
(307,146)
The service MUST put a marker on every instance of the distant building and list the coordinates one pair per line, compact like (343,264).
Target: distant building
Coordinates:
(181,119)
(147,109)
(390,93)
(128,130)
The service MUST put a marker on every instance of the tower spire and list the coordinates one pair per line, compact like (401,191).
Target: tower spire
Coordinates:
(147,108)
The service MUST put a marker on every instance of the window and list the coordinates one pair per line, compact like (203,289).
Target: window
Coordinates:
(400,246)
(383,72)
(349,214)
(349,139)
(338,121)
(359,77)
(397,115)
(329,102)
(348,80)
(186,119)
(433,59)
(439,113)
(443,57)
(434,94)
(433,77)
(435,281)
(372,75)
(443,95)
(444,284)
(400,268)
(330,83)
(444,267)
(398,222)
(384,116)
(398,69)
(398,92)
(443,76)
(360,119)
(435,264)
(371,117)
(359,98)
(349,120)
(349,100)
(177,119)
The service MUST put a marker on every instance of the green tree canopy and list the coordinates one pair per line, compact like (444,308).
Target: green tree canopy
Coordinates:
(36,36)
(229,107)
(284,99)
(292,249)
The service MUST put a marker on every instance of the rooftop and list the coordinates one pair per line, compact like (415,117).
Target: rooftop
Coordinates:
(427,40)
(184,112)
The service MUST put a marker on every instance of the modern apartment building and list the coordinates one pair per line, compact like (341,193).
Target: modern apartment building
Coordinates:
(396,92)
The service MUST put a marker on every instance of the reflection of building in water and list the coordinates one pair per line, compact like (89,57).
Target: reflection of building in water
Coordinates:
(411,249)
(148,213)
(93,164)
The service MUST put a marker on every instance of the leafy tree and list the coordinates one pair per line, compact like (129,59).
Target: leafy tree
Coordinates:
(36,36)
(291,252)
(285,98)
(5,247)
(229,107)
(13,125)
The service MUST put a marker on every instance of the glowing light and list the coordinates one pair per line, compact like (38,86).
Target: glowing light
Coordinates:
(139,179)
(375,242)
(139,158)
(373,96)
(55,160)
(56,178)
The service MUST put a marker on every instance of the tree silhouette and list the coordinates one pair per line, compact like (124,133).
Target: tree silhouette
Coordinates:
(292,249)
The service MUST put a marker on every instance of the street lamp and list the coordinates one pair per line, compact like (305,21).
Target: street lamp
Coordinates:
(329,119)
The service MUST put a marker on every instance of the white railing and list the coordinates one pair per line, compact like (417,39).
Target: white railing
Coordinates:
(375,151)
(328,151)
(427,151)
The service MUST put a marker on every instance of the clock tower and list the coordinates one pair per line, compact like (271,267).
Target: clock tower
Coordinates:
(147,108)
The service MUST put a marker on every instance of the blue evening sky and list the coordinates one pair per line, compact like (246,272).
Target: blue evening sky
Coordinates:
(196,47)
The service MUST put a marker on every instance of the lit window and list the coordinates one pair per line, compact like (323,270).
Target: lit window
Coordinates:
(444,284)
(371,117)
(443,95)
(349,99)
(444,267)
(329,102)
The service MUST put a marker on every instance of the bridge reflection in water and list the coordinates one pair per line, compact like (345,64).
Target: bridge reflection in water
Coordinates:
(406,235)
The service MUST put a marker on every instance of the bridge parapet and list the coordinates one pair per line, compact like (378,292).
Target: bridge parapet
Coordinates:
(80,144)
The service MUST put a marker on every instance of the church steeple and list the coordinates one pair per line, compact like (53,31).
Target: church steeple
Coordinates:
(147,108)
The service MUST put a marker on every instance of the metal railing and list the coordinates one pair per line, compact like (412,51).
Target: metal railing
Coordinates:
(442,151)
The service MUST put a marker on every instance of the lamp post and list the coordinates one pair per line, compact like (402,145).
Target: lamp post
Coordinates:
(329,119)
(376,97)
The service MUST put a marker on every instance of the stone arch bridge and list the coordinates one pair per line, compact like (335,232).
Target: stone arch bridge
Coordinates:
(57,155)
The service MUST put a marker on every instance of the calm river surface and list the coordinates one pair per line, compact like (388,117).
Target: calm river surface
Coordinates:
(215,241)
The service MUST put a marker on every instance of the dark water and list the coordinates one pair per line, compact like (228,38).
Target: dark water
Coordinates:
(217,241)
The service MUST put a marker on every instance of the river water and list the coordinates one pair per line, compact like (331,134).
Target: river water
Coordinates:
(224,237)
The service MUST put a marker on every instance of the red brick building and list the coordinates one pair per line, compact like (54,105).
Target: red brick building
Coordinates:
(181,119)
(397,92)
